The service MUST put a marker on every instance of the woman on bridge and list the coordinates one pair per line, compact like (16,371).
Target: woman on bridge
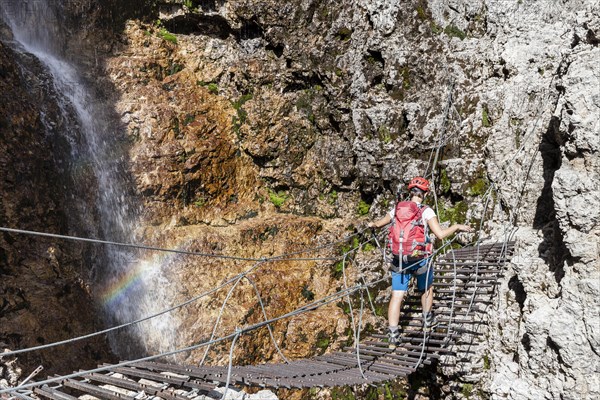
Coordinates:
(411,249)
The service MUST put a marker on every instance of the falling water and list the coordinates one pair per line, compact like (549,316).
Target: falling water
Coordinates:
(130,287)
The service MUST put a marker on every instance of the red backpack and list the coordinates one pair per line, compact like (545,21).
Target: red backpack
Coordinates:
(407,233)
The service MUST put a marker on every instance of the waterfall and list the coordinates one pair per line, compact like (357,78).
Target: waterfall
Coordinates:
(127,285)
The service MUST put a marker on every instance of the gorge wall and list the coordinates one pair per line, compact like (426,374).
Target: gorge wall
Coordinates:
(257,128)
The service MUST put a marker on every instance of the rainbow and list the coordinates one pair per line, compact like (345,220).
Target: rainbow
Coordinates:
(133,275)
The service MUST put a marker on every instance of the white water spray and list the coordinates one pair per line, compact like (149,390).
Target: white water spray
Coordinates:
(132,287)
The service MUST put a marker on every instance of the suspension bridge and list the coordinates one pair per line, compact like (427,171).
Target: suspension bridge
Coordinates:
(464,284)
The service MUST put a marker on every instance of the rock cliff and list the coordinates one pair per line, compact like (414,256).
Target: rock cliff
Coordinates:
(258,128)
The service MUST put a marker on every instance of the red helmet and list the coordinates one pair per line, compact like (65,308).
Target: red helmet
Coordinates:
(420,183)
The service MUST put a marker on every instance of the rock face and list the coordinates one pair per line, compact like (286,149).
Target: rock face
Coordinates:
(257,128)
(345,103)
(42,281)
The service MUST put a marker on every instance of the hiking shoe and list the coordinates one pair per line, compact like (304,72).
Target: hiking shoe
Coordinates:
(393,339)
(429,321)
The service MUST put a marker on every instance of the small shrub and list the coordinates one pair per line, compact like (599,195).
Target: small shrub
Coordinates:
(368,247)
(478,187)
(338,270)
(486,362)
(445,184)
(453,31)
(363,208)
(213,88)
(344,34)
(384,134)
(307,294)
(277,198)
(485,119)
(467,390)
(168,36)
(332,197)
(323,341)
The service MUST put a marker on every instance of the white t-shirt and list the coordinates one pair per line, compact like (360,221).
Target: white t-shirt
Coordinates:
(428,213)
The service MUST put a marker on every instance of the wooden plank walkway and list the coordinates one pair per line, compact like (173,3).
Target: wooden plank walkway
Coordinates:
(464,282)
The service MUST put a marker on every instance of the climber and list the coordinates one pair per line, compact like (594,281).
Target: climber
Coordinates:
(409,241)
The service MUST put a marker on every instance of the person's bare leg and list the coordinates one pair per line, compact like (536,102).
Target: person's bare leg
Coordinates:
(395,306)
(427,303)
(427,300)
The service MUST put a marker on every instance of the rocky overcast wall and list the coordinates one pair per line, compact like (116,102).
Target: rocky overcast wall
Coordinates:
(525,117)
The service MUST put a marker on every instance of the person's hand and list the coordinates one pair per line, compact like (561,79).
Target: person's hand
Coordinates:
(464,228)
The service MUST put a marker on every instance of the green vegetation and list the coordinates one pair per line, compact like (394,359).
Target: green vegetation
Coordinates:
(384,134)
(467,390)
(277,198)
(421,14)
(380,309)
(174,68)
(518,134)
(486,362)
(305,102)
(445,184)
(342,393)
(485,119)
(242,115)
(344,34)
(189,118)
(323,340)
(213,88)
(405,73)
(200,201)
(478,187)
(363,208)
(368,247)
(189,4)
(435,28)
(453,31)
(332,198)
(307,294)
(455,215)
(338,270)
(166,35)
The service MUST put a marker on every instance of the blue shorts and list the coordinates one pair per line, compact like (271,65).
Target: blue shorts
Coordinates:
(400,280)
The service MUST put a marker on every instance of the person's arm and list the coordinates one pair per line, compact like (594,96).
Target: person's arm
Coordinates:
(441,233)
(381,222)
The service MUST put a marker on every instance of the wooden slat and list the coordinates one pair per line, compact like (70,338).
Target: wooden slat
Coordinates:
(53,394)
(96,391)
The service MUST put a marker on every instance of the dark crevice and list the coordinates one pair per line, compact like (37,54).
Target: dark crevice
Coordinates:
(551,156)
(250,29)
(299,82)
(376,56)
(197,24)
(277,49)
(261,161)
(213,25)
(552,249)
(526,342)
(576,40)
(517,287)
(555,348)
(206,5)
(334,123)
(591,37)
(377,79)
